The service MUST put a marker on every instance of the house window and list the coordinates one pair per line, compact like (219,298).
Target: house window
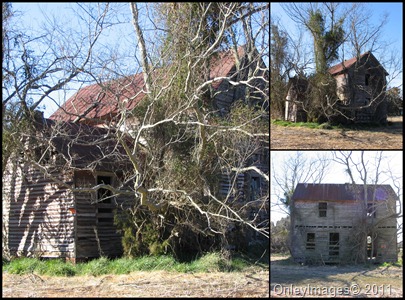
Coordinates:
(371,210)
(310,241)
(334,244)
(42,155)
(367,79)
(322,209)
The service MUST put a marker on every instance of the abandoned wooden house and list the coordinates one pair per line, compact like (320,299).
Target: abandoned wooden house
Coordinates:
(337,223)
(44,216)
(360,89)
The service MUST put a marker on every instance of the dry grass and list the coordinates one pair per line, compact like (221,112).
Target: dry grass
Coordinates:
(389,137)
(140,284)
(290,280)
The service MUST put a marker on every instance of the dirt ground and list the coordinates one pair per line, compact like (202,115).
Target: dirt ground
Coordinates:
(289,280)
(389,137)
(140,284)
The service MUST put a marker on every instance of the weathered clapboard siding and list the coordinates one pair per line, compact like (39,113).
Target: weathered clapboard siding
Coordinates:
(362,84)
(306,221)
(358,94)
(37,218)
(35,212)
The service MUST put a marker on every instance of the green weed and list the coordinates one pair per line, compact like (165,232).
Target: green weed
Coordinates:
(210,262)
(21,266)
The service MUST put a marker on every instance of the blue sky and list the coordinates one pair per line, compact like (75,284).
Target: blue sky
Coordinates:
(392,31)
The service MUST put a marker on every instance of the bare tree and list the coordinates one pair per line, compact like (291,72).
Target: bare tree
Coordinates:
(365,36)
(369,171)
(296,168)
(37,66)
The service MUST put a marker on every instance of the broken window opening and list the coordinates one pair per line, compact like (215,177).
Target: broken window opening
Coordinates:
(104,195)
(367,79)
(255,188)
(104,203)
(323,206)
(310,241)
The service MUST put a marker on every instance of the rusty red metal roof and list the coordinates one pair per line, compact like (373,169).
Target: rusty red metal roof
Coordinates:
(102,101)
(98,102)
(222,65)
(341,192)
(342,66)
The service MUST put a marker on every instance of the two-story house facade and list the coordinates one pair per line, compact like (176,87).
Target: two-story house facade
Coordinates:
(339,223)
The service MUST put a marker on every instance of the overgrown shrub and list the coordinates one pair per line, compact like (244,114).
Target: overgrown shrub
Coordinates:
(174,232)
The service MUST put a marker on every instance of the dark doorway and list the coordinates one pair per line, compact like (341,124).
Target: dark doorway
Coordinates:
(334,245)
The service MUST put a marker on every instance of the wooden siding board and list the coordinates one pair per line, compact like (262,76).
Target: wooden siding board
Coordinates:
(36,211)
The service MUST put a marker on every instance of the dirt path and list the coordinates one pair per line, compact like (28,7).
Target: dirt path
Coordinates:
(140,284)
(289,280)
(389,137)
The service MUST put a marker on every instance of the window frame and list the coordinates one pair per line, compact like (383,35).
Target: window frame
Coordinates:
(310,241)
(323,210)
